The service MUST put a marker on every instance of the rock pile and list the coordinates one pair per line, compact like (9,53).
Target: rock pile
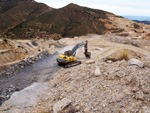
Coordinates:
(119,87)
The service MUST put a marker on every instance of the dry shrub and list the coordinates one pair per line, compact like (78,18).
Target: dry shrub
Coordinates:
(124,55)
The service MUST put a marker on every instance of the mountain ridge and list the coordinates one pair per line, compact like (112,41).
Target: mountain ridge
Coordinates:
(145,21)
(41,21)
(71,20)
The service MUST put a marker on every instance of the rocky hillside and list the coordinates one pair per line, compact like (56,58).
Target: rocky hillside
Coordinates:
(71,20)
(14,13)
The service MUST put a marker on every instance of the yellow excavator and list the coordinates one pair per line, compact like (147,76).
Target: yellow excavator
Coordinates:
(68,59)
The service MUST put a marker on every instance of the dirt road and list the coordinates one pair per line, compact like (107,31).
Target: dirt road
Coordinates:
(41,71)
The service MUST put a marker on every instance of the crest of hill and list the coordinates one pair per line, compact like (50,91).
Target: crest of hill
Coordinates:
(36,20)
(71,20)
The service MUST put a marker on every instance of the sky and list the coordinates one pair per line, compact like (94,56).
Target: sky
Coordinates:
(118,7)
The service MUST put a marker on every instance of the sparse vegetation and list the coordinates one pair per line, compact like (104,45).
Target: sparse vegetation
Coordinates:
(72,20)
(124,55)
(14,13)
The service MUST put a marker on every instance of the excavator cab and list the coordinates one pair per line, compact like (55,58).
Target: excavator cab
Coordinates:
(68,53)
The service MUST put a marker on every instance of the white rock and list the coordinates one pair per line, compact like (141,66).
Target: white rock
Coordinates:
(137,62)
(109,61)
(146,109)
(60,105)
(90,62)
(76,37)
(97,71)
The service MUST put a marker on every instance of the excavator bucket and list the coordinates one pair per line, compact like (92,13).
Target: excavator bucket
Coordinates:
(88,54)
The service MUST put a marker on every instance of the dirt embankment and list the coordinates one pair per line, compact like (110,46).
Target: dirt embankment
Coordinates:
(12,51)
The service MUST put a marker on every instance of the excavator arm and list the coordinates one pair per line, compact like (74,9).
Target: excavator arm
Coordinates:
(77,46)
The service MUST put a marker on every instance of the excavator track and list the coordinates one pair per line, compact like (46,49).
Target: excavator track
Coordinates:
(72,64)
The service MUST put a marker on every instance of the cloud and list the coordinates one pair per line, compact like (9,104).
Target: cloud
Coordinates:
(119,7)
(123,10)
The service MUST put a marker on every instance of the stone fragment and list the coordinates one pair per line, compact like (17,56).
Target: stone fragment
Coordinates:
(3,96)
(60,105)
(8,73)
(137,62)
(86,110)
(97,71)
(90,62)
(109,61)
(145,91)
(146,109)
(139,95)
(21,67)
